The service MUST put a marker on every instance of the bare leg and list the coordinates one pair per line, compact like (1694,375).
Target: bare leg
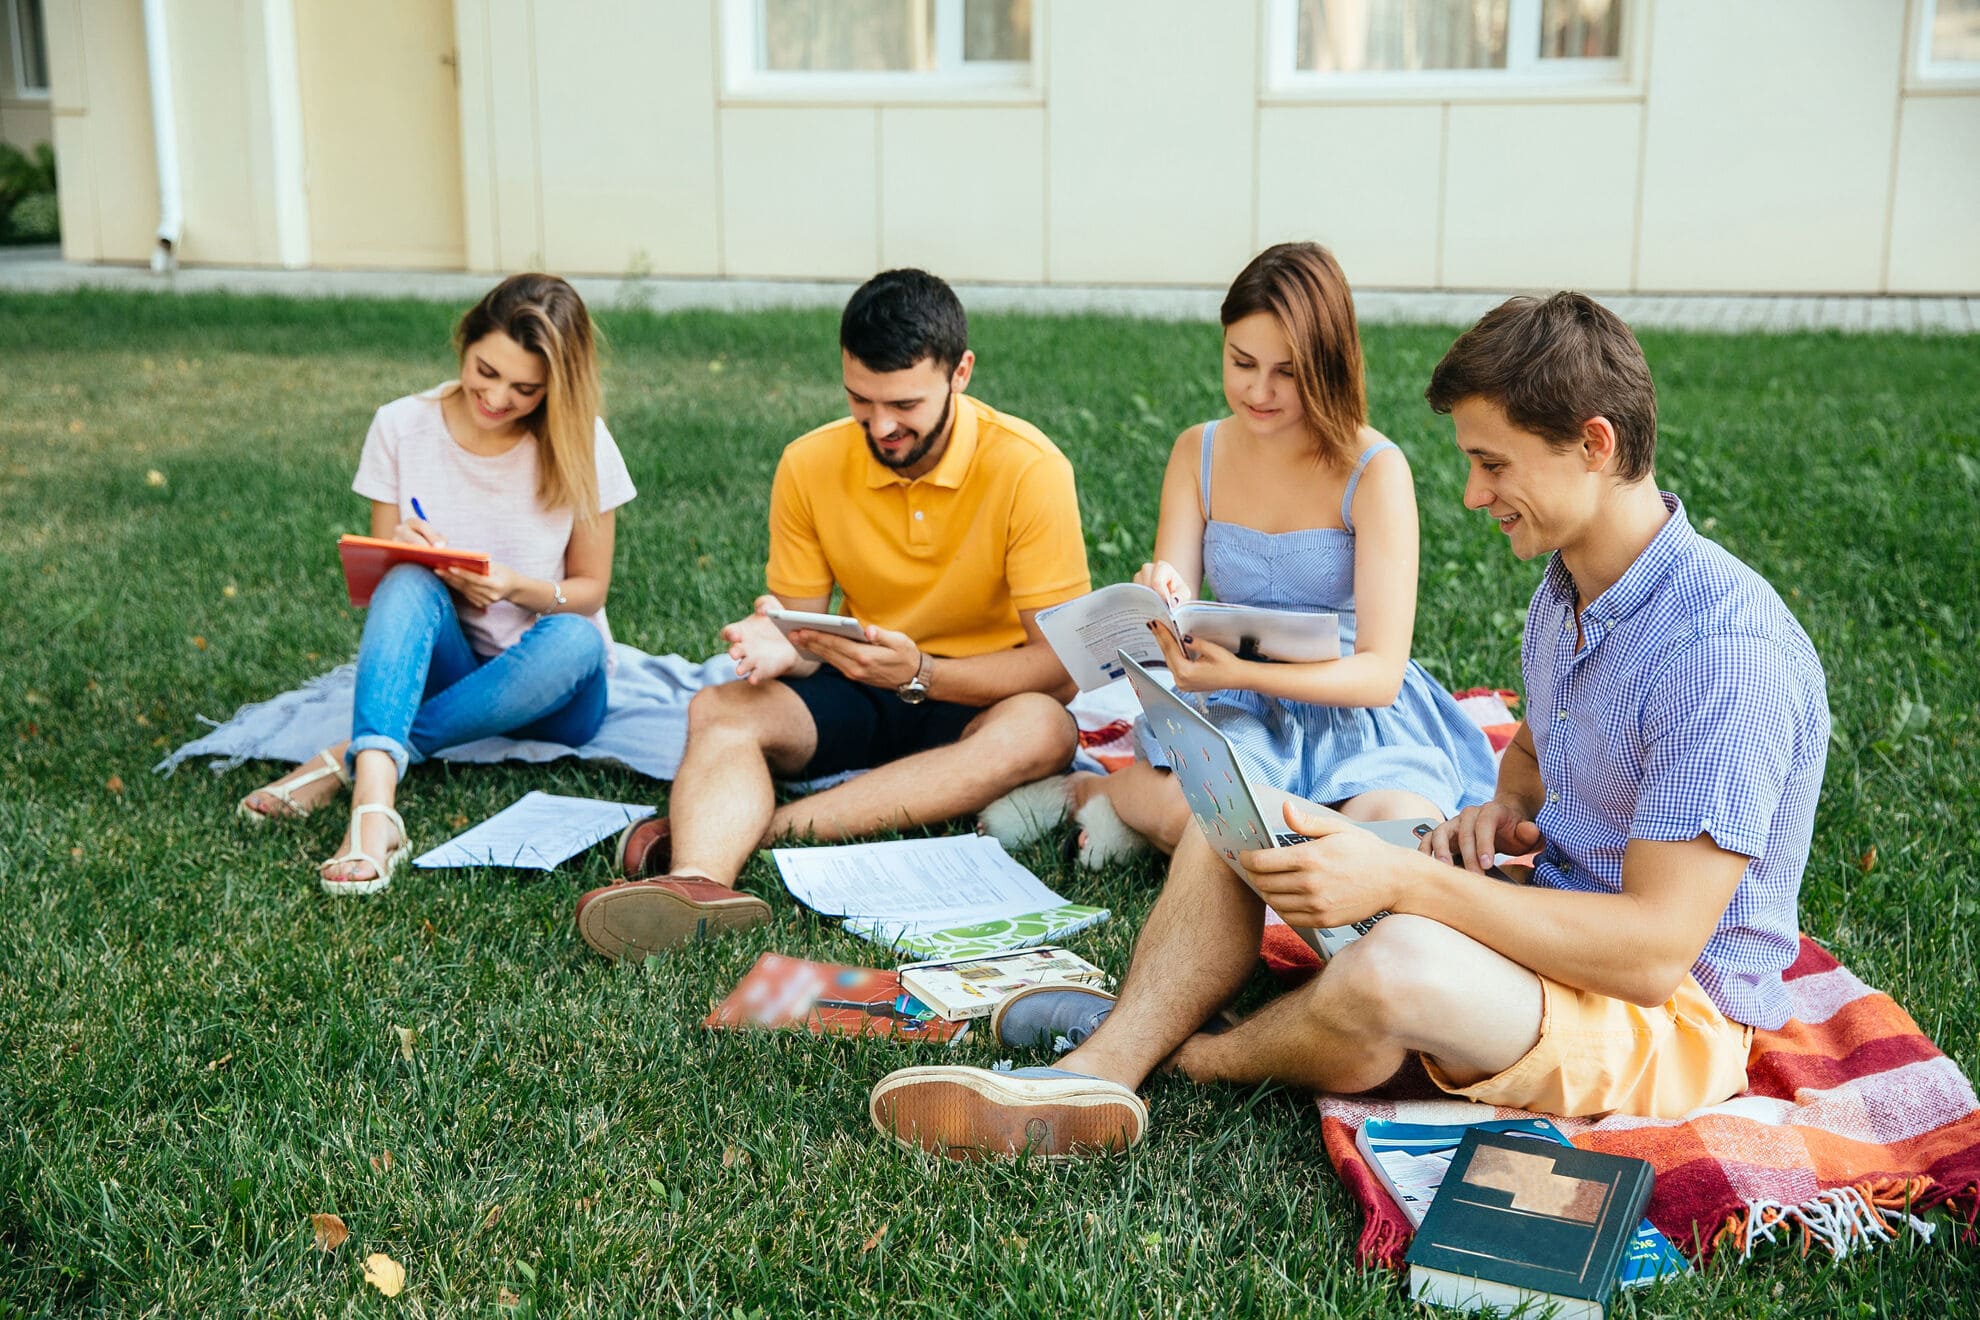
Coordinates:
(1199,944)
(724,804)
(1410,984)
(1389,804)
(1147,800)
(1021,738)
(723,796)
(374,778)
(318,791)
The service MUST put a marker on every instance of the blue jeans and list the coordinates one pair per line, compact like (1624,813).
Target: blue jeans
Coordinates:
(421,688)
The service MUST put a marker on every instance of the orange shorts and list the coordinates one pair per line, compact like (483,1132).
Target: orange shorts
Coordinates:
(1598,1055)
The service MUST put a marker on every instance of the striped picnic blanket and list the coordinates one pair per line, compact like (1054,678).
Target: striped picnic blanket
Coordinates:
(1852,1120)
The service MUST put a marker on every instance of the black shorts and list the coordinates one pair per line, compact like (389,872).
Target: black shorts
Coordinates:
(861,726)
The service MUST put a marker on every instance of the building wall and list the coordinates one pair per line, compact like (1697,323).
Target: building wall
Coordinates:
(1774,145)
(25,121)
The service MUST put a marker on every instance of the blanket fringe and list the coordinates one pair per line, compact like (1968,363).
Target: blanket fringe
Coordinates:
(1382,1243)
(226,759)
(1846,1219)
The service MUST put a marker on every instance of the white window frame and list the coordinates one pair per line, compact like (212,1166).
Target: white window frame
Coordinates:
(18,36)
(951,80)
(1525,77)
(1928,74)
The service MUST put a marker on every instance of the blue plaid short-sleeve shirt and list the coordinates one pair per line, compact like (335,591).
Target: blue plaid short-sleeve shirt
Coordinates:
(1695,704)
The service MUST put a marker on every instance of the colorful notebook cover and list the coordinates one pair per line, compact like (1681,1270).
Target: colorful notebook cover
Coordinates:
(828,999)
(368,558)
(986,937)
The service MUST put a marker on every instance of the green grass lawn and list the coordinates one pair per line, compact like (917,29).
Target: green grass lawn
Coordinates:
(199,1049)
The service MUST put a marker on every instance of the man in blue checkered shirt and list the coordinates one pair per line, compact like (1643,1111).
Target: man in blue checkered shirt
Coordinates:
(1665,777)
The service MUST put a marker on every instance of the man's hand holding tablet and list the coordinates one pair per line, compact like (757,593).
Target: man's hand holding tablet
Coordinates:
(834,625)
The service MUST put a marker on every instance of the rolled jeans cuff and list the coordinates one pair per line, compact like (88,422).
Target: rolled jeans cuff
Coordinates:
(401,755)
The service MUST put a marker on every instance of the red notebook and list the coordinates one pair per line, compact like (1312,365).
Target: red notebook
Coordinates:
(366,559)
(829,999)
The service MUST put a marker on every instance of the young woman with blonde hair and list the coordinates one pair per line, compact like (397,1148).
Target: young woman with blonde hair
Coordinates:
(513,459)
(1291,502)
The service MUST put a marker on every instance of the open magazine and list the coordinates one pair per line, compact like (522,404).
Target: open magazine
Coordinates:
(1087,633)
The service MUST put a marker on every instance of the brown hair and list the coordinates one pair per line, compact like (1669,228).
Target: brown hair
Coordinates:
(545,315)
(1551,364)
(1301,287)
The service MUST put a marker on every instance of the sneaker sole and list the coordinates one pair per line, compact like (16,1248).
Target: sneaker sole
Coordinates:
(635,922)
(967,1114)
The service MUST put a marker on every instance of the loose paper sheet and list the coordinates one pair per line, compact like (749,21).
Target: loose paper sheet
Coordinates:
(914,884)
(536,832)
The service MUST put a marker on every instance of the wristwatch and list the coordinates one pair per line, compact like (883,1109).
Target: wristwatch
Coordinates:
(915,690)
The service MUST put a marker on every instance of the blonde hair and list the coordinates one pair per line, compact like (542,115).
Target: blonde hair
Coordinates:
(545,315)
(1300,286)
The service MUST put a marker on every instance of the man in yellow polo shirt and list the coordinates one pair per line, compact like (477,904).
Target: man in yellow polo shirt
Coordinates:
(946,526)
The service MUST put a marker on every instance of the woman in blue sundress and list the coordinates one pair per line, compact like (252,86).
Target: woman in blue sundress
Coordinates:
(1291,502)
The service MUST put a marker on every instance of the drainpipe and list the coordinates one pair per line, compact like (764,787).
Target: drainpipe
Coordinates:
(165,138)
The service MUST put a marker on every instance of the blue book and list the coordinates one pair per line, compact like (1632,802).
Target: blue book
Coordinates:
(1410,1160)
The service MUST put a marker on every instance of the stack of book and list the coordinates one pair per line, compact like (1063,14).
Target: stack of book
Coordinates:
(1509,1214)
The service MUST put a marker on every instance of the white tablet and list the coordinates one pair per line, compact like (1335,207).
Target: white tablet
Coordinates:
(838,625)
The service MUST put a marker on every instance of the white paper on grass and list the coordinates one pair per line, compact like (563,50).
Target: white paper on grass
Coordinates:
(913,885)
(535,833)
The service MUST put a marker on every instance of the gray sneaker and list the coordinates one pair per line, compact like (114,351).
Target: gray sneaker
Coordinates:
(1042,1016)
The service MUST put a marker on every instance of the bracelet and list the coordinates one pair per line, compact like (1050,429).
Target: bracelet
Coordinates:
(557,590)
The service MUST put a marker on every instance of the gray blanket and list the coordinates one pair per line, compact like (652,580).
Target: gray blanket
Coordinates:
(645,720)
(645,725)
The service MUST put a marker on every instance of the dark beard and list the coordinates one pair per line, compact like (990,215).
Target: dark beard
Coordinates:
(920,451)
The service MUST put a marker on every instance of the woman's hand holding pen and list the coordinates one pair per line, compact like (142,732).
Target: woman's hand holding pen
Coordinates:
(416,530)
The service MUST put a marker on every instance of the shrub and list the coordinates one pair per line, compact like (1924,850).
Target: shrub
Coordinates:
(35,217)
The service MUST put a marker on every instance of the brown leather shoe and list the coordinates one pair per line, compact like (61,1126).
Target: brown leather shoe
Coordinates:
(635,918)
(646,848)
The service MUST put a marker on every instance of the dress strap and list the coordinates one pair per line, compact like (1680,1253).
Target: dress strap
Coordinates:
(1203,480)
(1354,479)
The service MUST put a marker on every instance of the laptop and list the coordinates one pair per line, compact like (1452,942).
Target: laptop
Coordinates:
(1224,803)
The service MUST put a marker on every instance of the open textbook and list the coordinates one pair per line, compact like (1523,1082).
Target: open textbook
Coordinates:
(932,898)
(1087,633)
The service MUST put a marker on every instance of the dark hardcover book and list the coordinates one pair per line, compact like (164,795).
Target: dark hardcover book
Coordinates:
(1519,1222)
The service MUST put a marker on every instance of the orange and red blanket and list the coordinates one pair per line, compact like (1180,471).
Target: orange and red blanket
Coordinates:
(1852,1121)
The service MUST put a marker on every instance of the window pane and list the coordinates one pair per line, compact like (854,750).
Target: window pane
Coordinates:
(1580,29)
(997,30)
(1354,36)
(1956,31)
(848,35)
(34,47)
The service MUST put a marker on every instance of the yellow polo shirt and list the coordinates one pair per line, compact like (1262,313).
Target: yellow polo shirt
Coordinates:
(949,558)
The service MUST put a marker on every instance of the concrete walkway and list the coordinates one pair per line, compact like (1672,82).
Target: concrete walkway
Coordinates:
(42,269)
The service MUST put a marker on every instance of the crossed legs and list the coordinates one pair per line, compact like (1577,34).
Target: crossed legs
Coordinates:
(1410,985)
(741,738)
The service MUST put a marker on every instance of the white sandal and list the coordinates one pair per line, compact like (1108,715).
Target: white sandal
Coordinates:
(381,876)
(1027,812)
(285,793)
(1105,837)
